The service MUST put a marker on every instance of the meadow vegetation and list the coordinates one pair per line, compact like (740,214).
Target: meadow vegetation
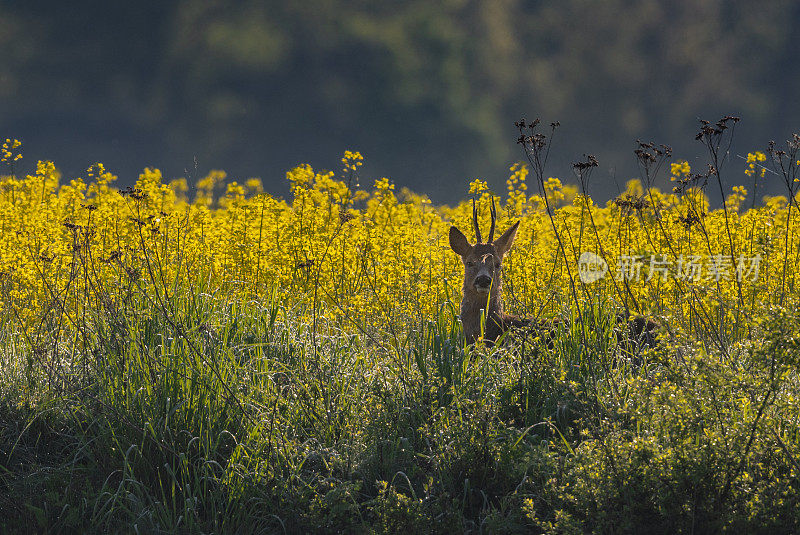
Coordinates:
(228,361)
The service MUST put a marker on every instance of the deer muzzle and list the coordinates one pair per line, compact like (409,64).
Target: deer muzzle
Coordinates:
(483,283)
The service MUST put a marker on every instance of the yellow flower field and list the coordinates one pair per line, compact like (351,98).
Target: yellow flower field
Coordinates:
(378,258)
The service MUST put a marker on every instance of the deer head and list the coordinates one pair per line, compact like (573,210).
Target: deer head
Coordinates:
(483,280)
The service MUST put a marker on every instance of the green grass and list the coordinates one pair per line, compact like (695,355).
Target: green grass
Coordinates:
(203,413)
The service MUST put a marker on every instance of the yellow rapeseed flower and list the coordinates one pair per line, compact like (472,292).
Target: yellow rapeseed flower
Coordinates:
(752,164)
(478,186)
(10,150)
(352,160)
(680,169)
(383,184)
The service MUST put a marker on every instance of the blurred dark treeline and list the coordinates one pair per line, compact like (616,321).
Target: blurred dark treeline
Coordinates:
(428,91)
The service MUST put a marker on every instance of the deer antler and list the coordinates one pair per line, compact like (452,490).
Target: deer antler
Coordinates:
(494,220)
(475,222)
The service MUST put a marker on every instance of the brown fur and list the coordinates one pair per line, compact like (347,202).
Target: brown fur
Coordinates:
(638,332)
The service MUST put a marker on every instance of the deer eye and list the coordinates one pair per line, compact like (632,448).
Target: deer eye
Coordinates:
(470,263)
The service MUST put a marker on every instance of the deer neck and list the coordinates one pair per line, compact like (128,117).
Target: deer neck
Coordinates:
(473,303)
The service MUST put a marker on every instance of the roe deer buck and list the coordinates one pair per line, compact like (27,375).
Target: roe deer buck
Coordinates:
(483,280)
(483,285)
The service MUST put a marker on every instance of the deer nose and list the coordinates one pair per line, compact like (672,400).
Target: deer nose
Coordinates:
(483,281)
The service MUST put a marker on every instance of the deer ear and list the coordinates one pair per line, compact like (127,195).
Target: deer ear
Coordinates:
(459,242)
(504,242)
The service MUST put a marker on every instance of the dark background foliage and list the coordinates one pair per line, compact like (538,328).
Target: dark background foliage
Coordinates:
(427,91)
